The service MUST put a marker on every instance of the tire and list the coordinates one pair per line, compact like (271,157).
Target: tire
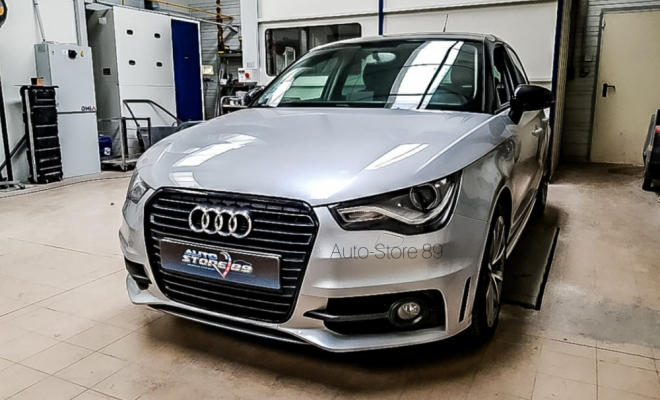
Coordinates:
(488,299)
(648,180)
(541,201)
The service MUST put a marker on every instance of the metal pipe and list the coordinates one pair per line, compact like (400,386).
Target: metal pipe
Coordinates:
(230,26)
(584,6)
(81,22)
(34,175)
(5,137)
(221,33)
(572,36)
(381,16)
(167,3)
(19,146)
(37,13)
(152,103)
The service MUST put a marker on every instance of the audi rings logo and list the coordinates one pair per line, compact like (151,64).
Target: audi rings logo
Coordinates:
(222,221)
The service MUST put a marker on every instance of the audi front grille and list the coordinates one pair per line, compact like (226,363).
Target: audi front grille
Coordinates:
(282,227)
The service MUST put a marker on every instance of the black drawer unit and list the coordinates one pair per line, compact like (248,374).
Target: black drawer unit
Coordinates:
(40,117)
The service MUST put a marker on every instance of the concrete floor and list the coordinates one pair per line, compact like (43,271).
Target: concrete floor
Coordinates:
(67,328)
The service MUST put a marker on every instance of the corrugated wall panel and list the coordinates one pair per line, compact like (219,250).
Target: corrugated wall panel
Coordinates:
(560,80)
(578,112)
(209,41)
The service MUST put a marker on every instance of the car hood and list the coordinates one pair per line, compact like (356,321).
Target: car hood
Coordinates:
(321,156)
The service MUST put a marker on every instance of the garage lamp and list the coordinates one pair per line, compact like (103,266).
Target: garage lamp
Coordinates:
(136,188)
(3,12)
(419,209)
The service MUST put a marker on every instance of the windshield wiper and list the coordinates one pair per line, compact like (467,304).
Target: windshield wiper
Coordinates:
(307,104)
(342,104)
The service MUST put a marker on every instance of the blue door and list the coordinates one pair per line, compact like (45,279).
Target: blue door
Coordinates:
(187,70)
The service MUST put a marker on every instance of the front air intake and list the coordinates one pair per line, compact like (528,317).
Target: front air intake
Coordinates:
(284,228)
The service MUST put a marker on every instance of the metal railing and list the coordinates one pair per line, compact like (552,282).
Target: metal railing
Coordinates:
(125,159)
(153,104)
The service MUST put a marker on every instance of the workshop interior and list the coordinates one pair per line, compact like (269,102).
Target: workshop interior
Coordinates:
(375,199)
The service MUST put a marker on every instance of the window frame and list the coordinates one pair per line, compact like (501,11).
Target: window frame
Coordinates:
(517,66)
(508,78)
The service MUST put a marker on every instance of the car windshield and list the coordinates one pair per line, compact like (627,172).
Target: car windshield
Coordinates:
(402,74)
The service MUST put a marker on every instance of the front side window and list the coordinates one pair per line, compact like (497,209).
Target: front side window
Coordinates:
(284,46)
(502,77)
(403,74)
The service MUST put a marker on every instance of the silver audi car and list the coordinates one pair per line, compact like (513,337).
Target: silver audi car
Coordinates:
(367,198)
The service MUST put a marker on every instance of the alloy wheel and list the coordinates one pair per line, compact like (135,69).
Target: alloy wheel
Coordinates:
(495,273)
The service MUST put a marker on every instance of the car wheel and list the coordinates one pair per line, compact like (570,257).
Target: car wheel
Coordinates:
(541,201)
(648,180)
(488,300)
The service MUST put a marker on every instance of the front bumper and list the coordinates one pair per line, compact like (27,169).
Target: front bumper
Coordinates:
(340,267)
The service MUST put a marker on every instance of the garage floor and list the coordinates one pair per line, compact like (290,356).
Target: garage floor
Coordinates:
(67,328)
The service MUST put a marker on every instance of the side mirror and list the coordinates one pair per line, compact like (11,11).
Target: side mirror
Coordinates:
(530,98)
(252,95)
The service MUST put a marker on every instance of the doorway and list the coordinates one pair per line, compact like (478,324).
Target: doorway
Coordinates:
(628,88)
(187,70)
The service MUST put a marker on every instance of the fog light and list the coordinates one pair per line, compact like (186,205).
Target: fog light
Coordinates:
(407,313)
(409,310)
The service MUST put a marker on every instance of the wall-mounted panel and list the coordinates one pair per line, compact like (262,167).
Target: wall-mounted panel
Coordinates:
(144,48)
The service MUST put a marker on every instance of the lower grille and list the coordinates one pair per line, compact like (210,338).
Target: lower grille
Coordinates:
(282,227)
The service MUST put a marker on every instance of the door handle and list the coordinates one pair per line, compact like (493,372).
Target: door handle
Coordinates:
(606,88)
(538,131)
(545,122)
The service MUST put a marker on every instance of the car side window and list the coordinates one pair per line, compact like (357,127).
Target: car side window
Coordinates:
(501,77)
(518,72)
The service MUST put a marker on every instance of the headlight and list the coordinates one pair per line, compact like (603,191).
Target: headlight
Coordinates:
(137,188)
(420,209)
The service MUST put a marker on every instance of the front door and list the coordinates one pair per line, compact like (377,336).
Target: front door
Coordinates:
(527,135)
(628,90)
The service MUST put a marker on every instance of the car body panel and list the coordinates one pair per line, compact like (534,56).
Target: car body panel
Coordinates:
(651,153)
(325,155)
(530,140)
(329,276)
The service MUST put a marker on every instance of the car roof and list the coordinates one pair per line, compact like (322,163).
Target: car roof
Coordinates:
(473,37)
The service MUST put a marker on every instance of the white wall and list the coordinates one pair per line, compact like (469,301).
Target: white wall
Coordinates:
(277,10)
(17,39)
(529,26)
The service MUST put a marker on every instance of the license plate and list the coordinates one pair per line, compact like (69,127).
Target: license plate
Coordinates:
(221,264)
